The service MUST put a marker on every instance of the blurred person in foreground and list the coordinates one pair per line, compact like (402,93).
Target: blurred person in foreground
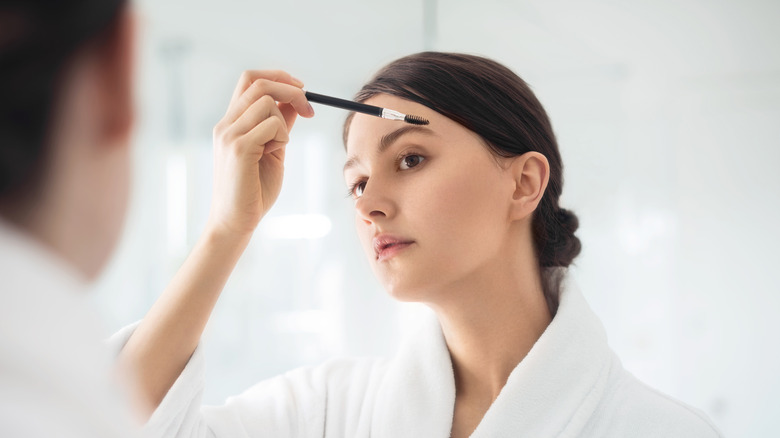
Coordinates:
(66,118)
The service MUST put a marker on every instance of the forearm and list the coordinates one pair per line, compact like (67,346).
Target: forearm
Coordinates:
(162,344)
(249,149)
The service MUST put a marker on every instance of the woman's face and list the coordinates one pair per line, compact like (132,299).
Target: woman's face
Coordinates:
(432,203)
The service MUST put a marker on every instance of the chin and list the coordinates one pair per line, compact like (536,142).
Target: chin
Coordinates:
(405,291)
(405,280)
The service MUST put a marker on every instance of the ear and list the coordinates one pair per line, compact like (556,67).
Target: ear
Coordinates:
(116,64)
(531,172)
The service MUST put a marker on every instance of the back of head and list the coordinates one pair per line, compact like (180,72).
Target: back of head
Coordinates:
(37,40)
(492,101)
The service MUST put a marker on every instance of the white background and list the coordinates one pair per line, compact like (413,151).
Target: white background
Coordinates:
(667,116)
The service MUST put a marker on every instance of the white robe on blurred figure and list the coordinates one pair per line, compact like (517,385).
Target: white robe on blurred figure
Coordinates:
(569,385)
(54,367)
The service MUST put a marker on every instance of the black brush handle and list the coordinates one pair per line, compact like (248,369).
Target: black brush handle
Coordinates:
(344,104)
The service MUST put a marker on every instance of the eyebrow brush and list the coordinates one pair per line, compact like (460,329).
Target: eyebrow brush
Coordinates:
(365,109)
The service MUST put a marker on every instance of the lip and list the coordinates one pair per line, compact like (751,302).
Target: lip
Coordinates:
(387,246)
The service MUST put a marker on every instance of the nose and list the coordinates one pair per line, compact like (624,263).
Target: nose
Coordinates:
(375,204)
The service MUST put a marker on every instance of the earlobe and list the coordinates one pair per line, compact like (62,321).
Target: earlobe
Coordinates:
(531,172)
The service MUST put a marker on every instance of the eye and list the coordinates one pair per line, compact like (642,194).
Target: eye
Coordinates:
(409,161)
(356,189)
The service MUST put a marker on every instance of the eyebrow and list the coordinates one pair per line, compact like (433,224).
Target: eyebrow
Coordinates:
(387,140)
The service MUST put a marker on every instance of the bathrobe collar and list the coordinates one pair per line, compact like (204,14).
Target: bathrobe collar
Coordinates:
(552,392)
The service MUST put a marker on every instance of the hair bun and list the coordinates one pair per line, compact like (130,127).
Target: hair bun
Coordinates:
(567,220)
(561,246)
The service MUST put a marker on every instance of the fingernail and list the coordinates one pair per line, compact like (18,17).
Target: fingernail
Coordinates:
(311,110)
(298,82)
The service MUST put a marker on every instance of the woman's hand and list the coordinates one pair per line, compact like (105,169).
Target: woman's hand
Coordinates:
(249,147)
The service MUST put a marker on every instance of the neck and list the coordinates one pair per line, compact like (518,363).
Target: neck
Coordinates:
(490,325)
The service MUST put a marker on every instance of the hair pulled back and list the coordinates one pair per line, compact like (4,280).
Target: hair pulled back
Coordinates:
(37,40)
(492,101)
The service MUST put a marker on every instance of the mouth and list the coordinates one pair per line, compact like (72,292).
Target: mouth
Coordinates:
(386,247)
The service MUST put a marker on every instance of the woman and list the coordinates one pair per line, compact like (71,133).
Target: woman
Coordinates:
(461,215)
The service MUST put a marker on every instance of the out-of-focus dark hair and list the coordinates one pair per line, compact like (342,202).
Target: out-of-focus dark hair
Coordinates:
(492,101)
(38,38)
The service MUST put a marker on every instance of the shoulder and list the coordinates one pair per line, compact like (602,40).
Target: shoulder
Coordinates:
(340,378)
(306,401)
(332,375)
(54,374)
(635,409)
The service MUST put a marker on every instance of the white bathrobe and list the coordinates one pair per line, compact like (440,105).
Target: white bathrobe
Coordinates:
(54,366)
(569,385)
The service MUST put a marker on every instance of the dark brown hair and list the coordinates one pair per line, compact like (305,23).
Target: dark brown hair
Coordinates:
(38,38)
(492,101)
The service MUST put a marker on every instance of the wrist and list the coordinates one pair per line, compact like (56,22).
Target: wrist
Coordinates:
(221,234)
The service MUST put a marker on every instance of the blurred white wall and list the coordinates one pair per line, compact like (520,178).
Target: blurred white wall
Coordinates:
(667,117)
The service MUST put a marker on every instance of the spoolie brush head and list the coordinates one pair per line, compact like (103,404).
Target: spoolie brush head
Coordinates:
(415,120)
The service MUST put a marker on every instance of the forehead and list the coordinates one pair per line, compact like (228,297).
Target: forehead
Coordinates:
(365,132)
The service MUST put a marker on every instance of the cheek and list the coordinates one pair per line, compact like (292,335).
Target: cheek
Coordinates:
(464,204)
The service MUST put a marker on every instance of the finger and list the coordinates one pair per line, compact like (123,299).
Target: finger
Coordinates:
(249,76)
(270,130)
(254,115)
(280,92)
(279,153)
(273,146)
